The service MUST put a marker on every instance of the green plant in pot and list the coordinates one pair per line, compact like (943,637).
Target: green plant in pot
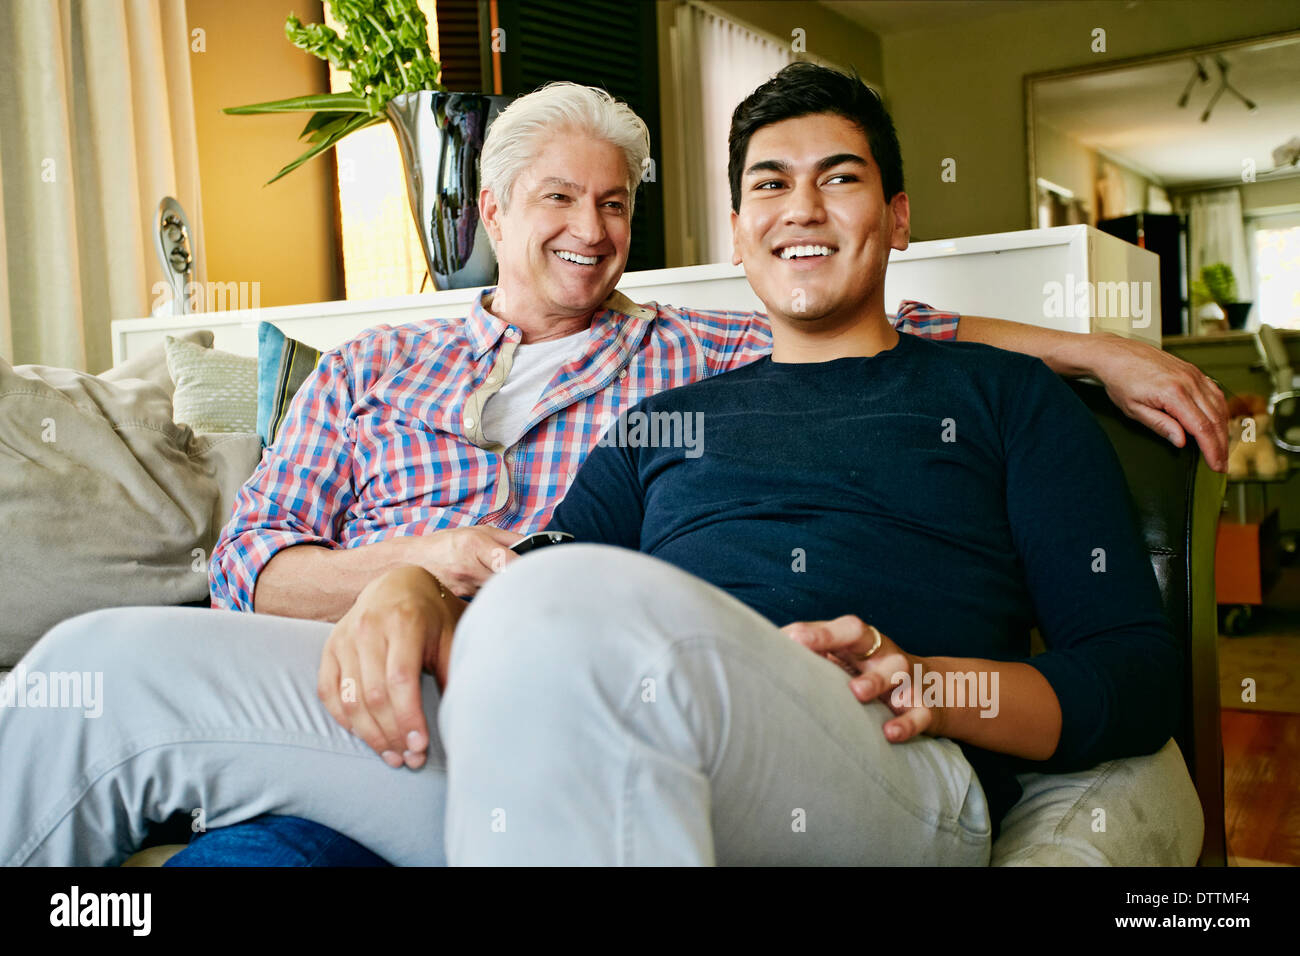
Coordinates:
(1218,284)
(395,79)
(385,49)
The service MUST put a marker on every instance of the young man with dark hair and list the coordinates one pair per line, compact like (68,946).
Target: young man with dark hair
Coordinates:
(916,505)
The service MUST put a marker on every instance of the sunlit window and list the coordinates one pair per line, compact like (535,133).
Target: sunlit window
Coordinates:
(382,255)
(1277,257)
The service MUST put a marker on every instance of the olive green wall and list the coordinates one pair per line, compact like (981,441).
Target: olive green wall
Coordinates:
(829,35)
(958,91)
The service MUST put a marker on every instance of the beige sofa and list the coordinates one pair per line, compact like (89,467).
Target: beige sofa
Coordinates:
(112,503)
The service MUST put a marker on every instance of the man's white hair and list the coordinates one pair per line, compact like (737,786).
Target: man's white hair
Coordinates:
(519,131)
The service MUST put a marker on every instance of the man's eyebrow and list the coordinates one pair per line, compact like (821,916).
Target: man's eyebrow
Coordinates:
(557,181)
(575,188)
(768,166)
(839,159)
(781,166)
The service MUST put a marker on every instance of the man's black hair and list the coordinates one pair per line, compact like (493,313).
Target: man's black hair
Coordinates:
(802,89)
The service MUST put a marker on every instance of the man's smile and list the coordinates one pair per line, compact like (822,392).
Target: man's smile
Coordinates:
(808,251)
(577,258)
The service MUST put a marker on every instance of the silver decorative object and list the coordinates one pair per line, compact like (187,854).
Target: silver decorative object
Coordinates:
(172,243)
(440,136)
(1284,403)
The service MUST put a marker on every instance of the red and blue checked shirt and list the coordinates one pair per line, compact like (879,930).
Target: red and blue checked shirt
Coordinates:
(384,438)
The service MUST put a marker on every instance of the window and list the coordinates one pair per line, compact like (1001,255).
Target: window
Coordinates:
(1276,250)
(382,254)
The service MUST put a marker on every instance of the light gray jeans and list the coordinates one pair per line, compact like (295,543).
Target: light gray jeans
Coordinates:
(604,707)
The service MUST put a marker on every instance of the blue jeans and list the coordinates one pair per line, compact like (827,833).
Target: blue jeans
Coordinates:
(272,840)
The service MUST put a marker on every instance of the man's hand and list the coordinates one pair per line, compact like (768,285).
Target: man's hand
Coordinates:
(846,642)
(1168,395)
(323,583)
(464,558)
(370,668)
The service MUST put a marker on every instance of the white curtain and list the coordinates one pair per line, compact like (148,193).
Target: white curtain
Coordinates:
(717,63)
(96,127)
(1216,233)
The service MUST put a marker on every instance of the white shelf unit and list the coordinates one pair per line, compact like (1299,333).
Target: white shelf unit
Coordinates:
(1003,275)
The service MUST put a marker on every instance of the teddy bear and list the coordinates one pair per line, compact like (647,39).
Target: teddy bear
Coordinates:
(1251,452)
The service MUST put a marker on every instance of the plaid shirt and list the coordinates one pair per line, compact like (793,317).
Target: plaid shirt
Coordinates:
(385,438)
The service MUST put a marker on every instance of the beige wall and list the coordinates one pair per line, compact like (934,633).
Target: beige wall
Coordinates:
(281,236)
(1063,160)
(967,101)
(828,35)
(1268,194)
(1134,196)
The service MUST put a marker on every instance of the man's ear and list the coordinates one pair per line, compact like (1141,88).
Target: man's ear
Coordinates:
(900,215)
(735,246)
(490,211)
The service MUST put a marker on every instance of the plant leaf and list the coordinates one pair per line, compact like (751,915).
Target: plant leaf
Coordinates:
(358,122)
(318,120)
(322,125)
(321,102)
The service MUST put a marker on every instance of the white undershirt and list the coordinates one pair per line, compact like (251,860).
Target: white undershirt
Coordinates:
(507,412)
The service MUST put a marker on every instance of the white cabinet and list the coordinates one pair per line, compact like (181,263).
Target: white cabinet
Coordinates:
(1073,278)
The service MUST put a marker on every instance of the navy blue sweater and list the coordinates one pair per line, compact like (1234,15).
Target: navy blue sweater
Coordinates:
(952,494)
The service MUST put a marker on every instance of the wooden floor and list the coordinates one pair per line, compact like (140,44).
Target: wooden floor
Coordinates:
(1271,661)
(1261,739)
(1261,775)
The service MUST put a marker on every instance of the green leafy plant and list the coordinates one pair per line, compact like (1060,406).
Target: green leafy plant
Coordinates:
(1217,284)
(385,48)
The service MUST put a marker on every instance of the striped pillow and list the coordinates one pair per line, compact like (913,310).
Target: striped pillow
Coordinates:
(283,364)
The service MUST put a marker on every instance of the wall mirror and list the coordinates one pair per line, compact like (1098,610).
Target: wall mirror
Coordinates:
(1193,154)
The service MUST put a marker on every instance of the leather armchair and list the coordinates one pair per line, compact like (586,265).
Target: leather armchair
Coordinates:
(1177,498)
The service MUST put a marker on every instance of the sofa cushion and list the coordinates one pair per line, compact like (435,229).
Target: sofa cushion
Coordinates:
(283,364)
(151,364)
(1149,815)
(216,391)
(104,501)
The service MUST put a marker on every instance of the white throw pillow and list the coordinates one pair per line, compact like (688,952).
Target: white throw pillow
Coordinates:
(216,391)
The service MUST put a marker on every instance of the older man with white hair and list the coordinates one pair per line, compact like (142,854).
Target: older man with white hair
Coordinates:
(409,462)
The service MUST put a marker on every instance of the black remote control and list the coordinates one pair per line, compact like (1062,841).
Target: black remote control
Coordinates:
(540,539)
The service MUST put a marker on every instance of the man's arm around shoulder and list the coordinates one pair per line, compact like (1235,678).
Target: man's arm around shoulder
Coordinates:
(1171,397)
